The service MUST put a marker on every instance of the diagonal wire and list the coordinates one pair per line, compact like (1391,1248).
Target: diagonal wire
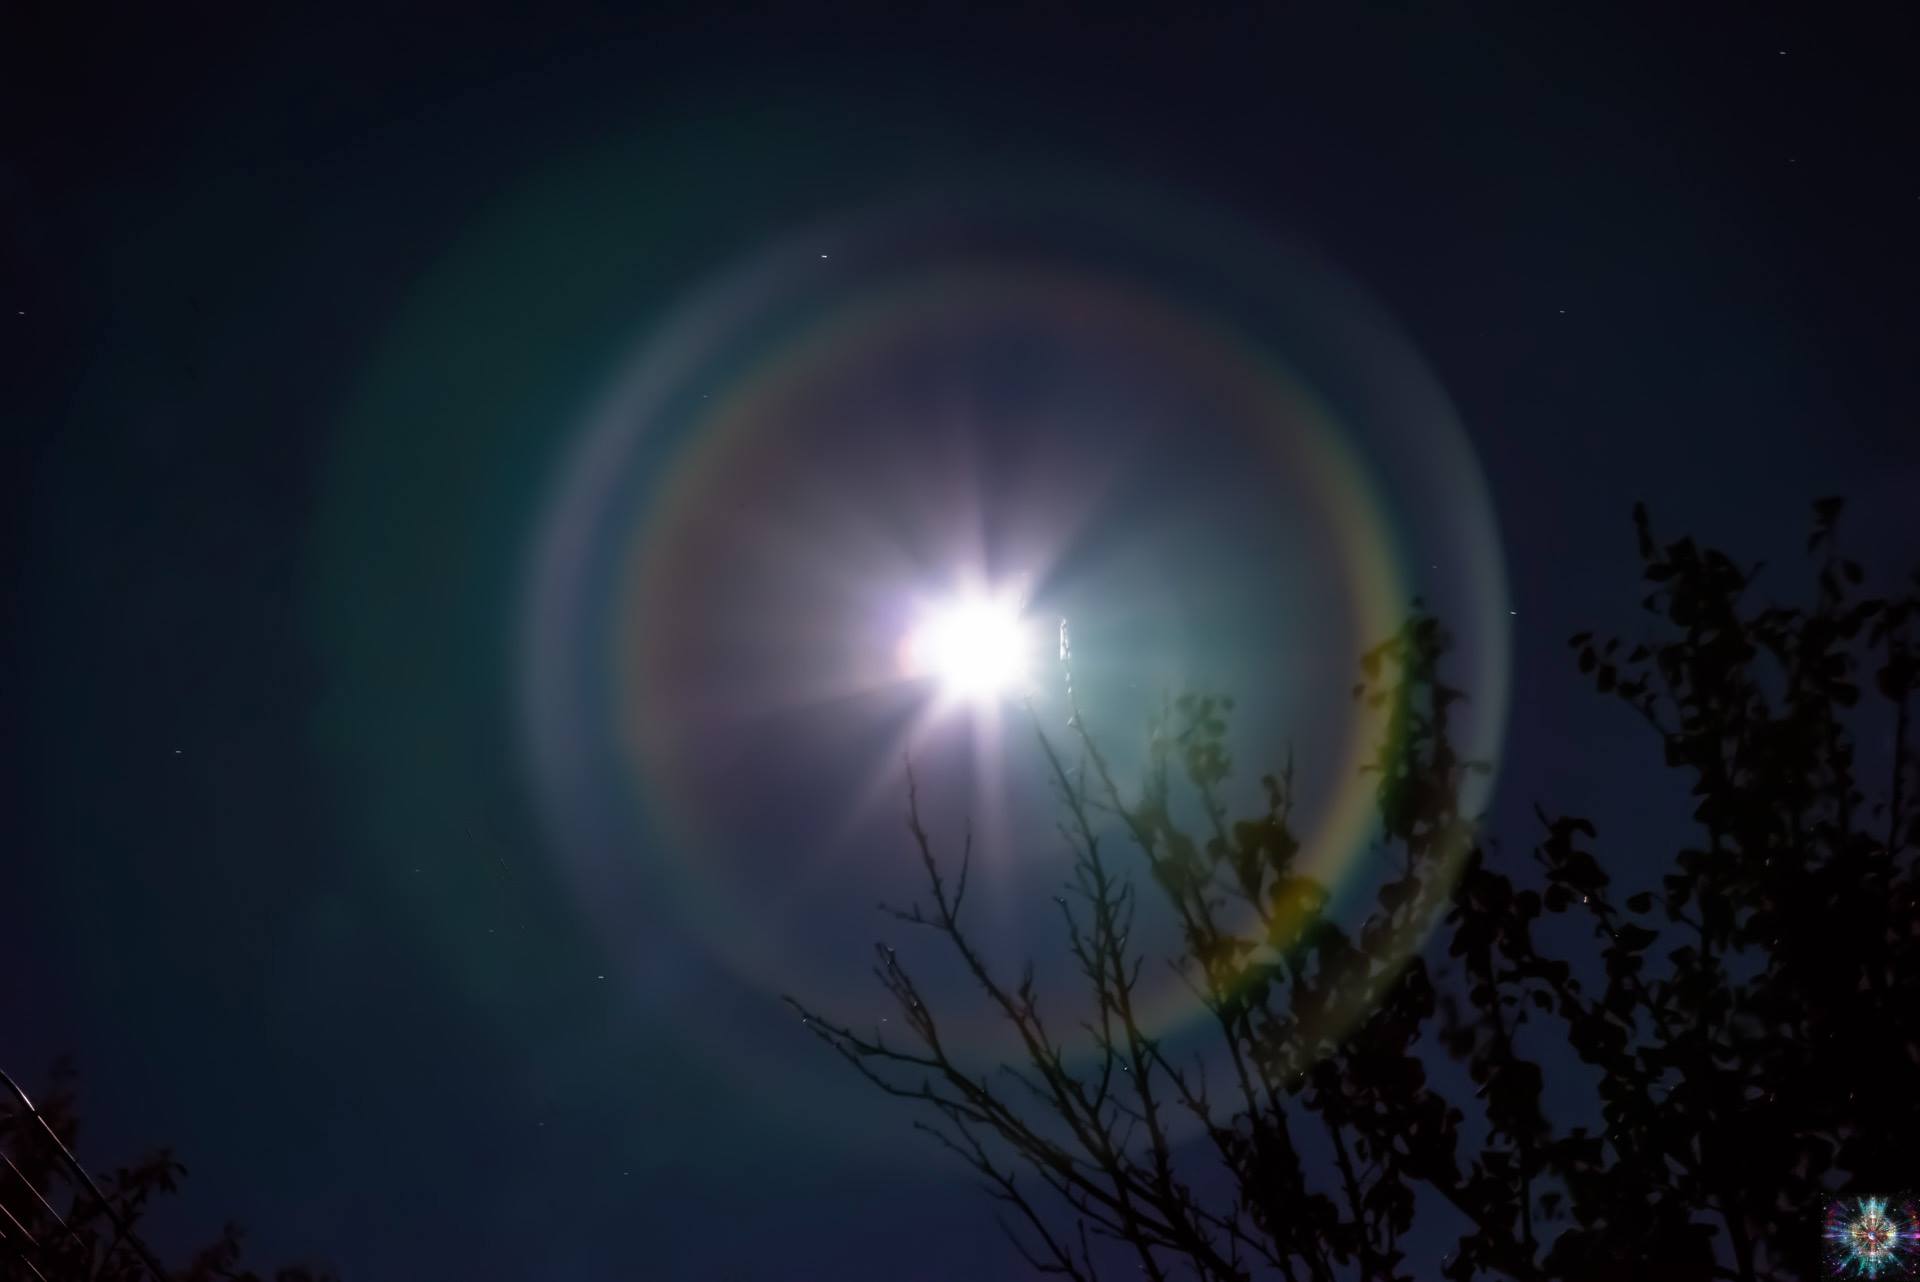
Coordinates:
(123,1232)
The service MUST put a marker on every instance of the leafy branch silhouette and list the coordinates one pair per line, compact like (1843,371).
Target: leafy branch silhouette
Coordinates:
(1746,1029)
(59,1226)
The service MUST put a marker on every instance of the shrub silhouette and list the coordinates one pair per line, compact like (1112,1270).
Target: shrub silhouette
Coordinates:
(54,1228)
(1745,1028)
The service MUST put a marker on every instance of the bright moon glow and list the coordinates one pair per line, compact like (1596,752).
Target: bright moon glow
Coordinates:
(976,646)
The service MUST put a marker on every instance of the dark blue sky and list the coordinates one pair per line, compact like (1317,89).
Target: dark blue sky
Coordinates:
(1670,259)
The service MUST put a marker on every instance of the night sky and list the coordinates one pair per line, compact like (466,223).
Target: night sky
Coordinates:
(413,816)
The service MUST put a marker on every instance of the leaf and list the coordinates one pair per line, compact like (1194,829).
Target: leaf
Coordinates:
(1634,938)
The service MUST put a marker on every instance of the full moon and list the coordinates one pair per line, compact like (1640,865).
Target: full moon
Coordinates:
(977,646)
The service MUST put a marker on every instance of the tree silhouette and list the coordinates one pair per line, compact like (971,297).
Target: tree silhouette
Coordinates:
(59,1224)
(1743,1032)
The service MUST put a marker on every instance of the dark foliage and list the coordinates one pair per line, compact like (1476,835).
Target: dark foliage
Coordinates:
(1746,1025)
(54,1227)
